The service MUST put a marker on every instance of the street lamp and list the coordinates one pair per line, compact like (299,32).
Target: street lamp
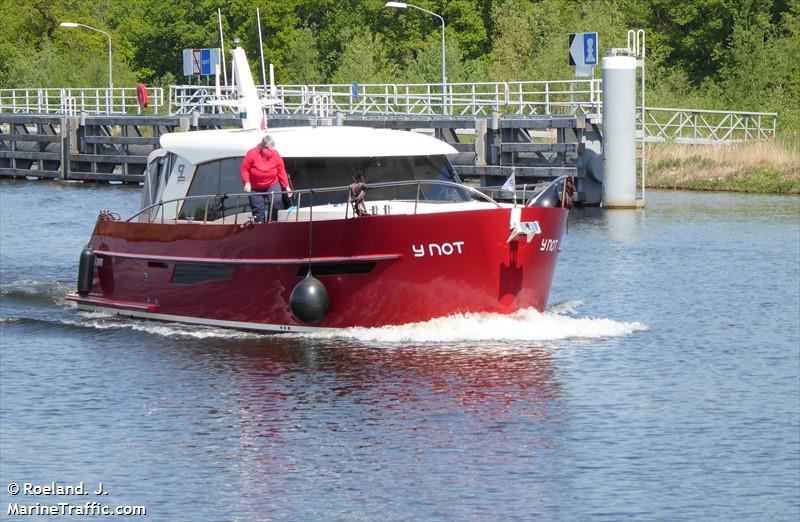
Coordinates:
(110,78)
(403,5)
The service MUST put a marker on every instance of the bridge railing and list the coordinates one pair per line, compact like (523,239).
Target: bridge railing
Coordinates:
(186,99)
(72,101)
(565,97)
(418,99)
(706,126)
(532,98)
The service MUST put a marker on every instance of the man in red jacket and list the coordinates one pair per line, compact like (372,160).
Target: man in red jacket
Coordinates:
(264,174)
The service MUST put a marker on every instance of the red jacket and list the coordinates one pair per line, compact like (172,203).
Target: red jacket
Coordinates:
(263,167)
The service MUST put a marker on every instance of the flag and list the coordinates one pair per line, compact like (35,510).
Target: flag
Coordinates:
(510,183)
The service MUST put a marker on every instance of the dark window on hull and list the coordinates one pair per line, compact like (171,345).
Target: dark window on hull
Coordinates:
(343,269)
(193,274)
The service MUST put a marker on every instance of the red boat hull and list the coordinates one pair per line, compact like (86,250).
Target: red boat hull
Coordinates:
(378,270)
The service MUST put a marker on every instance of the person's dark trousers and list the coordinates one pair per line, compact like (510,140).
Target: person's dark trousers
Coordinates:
(259,202)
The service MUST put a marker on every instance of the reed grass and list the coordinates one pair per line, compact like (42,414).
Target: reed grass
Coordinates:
(771,167)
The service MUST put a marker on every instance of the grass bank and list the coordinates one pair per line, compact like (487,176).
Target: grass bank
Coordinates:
(770,167)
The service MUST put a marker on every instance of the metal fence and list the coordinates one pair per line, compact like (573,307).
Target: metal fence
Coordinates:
(527,99)
(70,102)
(704,126)
(421,99)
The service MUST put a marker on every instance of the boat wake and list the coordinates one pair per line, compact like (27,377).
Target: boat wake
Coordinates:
(29,292)
(558,322)
(107,321)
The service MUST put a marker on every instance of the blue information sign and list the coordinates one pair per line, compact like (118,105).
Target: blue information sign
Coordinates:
(583,49)
(205,62)
(200,62)
(590,48)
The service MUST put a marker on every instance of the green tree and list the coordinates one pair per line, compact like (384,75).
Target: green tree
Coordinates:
(365,59)
(426,65)
(513,40)
(302,61)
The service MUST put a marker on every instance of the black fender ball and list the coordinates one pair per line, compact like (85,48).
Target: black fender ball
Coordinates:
(309,300)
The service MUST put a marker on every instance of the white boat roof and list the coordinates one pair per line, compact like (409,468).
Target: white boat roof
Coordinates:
(305,142)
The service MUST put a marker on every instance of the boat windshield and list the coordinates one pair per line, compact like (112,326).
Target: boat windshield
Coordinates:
(220,177)
(336,172)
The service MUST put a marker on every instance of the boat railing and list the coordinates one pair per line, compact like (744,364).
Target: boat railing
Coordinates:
(530,194)
(549,196)
(518,193)
(214,206)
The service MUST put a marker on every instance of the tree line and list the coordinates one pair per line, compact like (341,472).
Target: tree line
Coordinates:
(723,54)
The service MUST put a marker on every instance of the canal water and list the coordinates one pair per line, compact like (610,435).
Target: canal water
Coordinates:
(661,384)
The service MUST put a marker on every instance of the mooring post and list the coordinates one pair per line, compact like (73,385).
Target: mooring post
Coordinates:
(481,128)
(74,124)
(68,127)
(619,132)
(496,139)
(64,133)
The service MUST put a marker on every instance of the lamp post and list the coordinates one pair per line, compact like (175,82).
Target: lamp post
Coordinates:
(110,77)
(404,5)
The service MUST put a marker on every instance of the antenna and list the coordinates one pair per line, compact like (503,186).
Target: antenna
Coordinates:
(272,80)
(222,44)
(261,48)
(235,72)
(217,90)
(272,88)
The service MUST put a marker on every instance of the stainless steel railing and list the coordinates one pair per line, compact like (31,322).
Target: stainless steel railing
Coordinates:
(214,202)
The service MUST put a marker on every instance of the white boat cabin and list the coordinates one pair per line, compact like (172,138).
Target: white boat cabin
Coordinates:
(207,163)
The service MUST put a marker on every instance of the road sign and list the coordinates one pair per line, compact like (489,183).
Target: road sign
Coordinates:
(583,49)
(200,62)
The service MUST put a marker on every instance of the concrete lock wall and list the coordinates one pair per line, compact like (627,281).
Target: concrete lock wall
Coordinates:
(619,131)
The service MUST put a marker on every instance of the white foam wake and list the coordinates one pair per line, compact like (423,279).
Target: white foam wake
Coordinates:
(107,321)
(559,322)
(556,323)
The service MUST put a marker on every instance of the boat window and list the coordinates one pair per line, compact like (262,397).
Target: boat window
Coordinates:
(215,178)
(193,274)
(168,164)
(221,177)
(337,269)
(155,179)
(151,179)
(230,181)
(332,172)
